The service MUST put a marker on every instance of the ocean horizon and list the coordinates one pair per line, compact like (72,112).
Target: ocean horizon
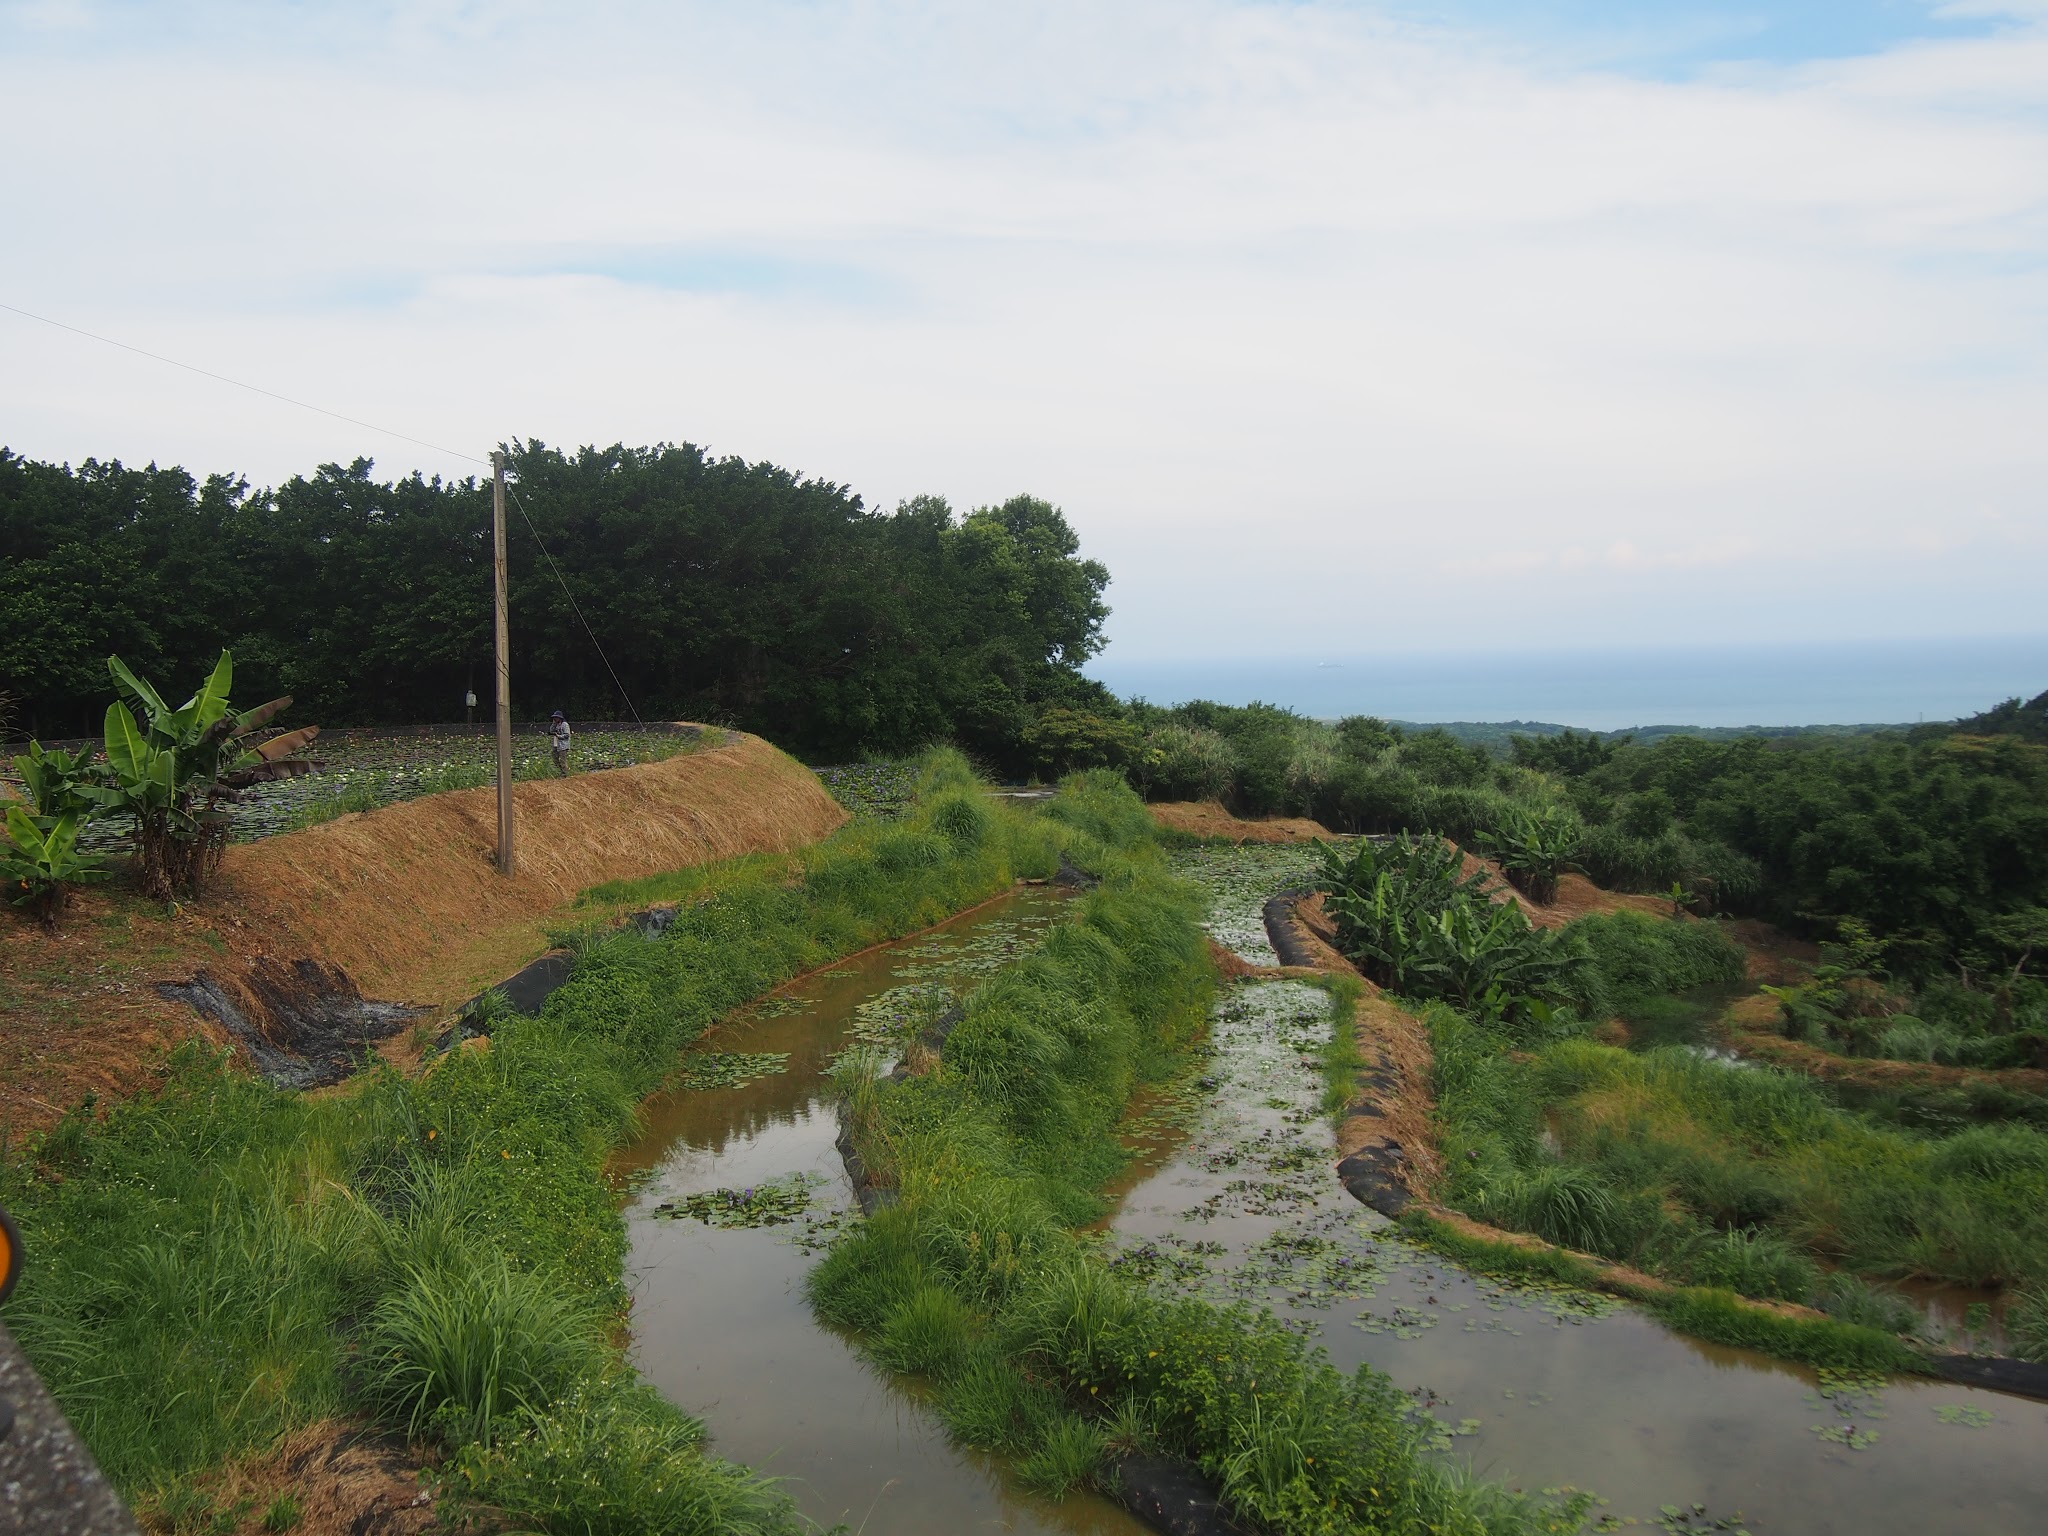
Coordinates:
(1887,683)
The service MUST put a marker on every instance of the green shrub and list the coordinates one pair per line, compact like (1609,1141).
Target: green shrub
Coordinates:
(1098,803)
(1752,1263)
(1633,957)
(616,1460)
(1850,1299)
(466,1349)
(1416,923)
(1067,1457)
(1910,1039)
(1183,762)
(1990,1152)
(1723,1318)
(963,818)
(927,1334)
(1533,846)
(1572,1206)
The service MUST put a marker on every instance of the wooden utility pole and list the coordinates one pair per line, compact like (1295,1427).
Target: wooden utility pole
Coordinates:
(504,666)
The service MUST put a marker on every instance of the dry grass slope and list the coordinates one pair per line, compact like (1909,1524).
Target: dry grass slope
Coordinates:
(406,900)
(409,902)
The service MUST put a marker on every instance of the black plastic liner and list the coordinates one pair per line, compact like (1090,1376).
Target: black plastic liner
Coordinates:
(1173,1497)
(1285,935)
(313,1026)
(1996,1373)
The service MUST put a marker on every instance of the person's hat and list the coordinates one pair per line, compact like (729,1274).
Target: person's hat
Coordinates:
(557,715)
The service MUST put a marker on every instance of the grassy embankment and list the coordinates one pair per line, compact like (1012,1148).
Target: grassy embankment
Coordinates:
(1733,1180)
(978,1281)
(217,1262)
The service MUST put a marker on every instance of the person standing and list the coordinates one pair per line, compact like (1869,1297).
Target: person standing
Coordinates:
(558,731)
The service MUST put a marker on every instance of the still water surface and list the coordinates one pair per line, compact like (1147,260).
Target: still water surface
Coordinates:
(720,1323)
(1536,1389)
(1544,1389)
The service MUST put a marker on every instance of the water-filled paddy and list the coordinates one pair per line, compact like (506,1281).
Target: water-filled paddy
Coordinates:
(1235,1198)
(720,1323)
(1537,1388)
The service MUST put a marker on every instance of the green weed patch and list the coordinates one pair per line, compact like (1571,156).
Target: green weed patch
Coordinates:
(1731,1177)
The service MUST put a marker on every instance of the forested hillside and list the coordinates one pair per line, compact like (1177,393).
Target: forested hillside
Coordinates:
(720,589)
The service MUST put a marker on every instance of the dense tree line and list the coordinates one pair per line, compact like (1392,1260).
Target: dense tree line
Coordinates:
(1936,839)
(719,589)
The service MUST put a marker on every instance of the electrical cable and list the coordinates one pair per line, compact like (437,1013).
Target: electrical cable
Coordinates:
(368,426)
(520,502)
(256,389)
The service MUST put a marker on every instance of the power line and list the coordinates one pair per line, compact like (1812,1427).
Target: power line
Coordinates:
(254,389)
(368,426)
(520,502)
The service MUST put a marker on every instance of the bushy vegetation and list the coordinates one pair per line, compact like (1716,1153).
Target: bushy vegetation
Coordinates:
(163,777)
(218,1261)
(1854,1006)
(1936,842)
(976,1281)
(1417,924)
(720,589)
(1729,1176)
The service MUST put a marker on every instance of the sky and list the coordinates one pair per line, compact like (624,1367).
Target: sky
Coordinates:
(1345,329)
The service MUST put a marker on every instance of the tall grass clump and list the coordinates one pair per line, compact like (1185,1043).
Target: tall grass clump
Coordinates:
(219,1262)
(462,1350)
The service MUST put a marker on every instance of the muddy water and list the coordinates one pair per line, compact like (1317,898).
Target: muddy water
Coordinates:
(720,1325)
(1541,1389)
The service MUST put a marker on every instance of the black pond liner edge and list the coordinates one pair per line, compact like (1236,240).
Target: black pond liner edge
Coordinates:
(321,1024)
(1289,943)
(1994,1373)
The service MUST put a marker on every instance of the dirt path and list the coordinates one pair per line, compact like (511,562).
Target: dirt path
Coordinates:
(406,900)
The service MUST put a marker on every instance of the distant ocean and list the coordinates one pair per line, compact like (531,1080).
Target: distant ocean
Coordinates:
(1895,682)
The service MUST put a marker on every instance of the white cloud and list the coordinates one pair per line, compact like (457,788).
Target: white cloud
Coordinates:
(1269,298)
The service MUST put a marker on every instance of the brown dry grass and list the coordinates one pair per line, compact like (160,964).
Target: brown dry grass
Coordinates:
(347,1481)
(1576,897)
(79,1014)
(405,899)
(1207,818)
(1407,1111)
(409,902)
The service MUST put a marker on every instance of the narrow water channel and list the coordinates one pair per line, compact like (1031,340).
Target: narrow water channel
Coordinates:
(720,1324)
(1539,1389)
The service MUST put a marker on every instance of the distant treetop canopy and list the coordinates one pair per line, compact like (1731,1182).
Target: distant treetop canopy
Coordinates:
(720,589)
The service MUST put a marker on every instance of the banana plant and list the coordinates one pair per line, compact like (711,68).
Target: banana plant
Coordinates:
(59,783)
(172,774)
(40,864)
(1417,924)
(1535,847)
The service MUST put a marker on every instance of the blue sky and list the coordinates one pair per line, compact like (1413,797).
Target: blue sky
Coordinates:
(1677,41)
(1338,326)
